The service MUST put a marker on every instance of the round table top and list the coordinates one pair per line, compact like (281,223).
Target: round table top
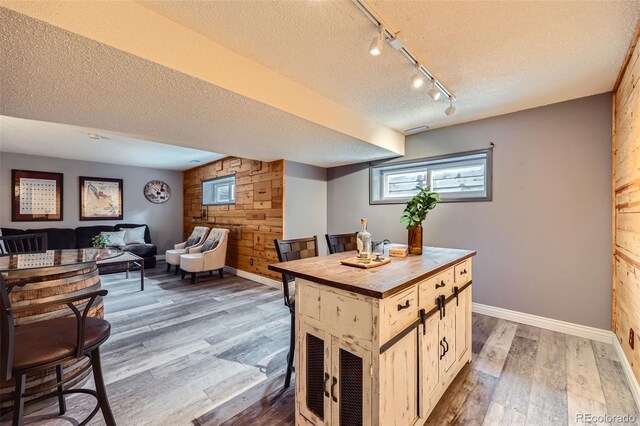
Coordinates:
(52,258)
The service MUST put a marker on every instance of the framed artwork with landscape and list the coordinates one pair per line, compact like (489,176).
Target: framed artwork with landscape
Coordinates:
(100,198)
(36,196)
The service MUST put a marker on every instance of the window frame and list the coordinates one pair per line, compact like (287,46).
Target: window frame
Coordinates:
(232,190)
(408,164)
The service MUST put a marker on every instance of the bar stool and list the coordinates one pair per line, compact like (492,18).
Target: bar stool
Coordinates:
(38,346)
(339,243)
(288,250)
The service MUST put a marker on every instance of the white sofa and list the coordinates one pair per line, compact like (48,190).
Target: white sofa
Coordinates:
(208,256)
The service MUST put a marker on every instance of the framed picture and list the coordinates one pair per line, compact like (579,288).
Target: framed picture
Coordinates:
(100,198)
(36,196)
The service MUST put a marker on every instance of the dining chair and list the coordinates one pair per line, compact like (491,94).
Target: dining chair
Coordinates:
(23,243)
(300,248)
(339,243)
(38,347)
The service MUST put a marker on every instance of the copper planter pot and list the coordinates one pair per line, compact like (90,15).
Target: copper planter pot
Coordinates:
(415,239)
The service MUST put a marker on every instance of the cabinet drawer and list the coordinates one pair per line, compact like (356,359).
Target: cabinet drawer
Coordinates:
(348,314)
(432,288)
(462,272)
(398,311)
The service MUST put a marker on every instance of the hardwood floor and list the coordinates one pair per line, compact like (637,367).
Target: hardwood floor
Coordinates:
(214,353)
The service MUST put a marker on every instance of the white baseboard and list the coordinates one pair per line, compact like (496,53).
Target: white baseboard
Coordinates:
(254,277)
(628,372)
(600,335)
(161,257)
(592,333)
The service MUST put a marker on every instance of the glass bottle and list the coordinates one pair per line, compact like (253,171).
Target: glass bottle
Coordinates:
(363,240)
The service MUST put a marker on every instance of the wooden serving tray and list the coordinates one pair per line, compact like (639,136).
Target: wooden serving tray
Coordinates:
(358,263)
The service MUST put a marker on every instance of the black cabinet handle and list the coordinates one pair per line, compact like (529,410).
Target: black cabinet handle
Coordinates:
(444,339)
(442,284)
(334,382)
(463,272)
(443,350)
(405,306)
(423,320)
(326,379)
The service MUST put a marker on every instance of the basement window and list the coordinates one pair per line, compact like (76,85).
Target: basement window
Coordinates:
(456,177)
(219,191)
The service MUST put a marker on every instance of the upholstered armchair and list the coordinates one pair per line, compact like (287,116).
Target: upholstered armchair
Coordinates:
(208,256)
(197,237)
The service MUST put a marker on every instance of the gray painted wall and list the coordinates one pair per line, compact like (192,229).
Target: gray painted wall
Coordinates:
(164,220)
(544,242)
(305,202)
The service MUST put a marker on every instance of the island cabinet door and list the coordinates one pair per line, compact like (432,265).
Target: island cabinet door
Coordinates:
(447,343)
(398,383)
(463,324)
(350,384)
(314,375)
(429,361)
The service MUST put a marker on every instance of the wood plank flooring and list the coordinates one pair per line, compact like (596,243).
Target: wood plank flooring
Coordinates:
(214,353)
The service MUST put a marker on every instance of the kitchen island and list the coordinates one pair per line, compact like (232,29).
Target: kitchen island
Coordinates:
(379,346)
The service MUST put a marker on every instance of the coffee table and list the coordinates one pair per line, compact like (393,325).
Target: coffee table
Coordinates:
(126,260)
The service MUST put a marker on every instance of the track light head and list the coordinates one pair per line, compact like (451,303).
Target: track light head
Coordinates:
(434,93)
(417,81)
(377,42)
(451,109)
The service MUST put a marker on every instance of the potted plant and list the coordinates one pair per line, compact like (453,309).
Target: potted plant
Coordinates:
(415,212)
(100,241)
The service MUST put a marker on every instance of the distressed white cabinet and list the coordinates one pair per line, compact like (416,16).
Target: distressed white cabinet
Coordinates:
(379,346)
(334,379)
(445,342)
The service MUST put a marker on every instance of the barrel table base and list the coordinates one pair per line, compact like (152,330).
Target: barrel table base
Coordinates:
(44,285)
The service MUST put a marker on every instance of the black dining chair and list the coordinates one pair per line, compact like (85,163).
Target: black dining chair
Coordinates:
(23,243)
(300,248)
(339,243)
(34,348)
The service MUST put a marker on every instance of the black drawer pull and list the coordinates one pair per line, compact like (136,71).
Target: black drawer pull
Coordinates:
(333,385)
(442,284)
(326,379)
(443,350)
(463,272)
(405,306)
(444,339)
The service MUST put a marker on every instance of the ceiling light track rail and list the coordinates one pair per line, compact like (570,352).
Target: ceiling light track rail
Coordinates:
(391,35)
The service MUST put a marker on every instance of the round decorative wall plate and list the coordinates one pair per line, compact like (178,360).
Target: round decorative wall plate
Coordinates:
(157,191)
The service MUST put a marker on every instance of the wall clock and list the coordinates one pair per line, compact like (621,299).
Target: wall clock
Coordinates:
(157,191)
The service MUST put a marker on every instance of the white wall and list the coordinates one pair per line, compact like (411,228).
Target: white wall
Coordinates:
(164,220)
(305,212)
(544,242)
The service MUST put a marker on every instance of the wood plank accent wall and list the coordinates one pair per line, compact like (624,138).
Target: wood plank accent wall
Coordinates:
(254,221)
(626,208)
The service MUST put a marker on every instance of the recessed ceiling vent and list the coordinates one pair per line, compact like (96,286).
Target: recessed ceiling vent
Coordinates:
(415,130)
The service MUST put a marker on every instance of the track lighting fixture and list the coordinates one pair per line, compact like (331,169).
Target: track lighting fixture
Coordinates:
(417,81)
(377,42)
(451,109)
(388,35)
(434,93)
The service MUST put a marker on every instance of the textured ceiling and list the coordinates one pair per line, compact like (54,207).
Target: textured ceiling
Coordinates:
(293,79)
(63,141)
(496,56)
(49,74)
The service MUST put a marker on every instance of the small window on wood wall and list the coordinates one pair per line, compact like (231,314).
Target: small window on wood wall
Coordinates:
(456,177)
(219,191)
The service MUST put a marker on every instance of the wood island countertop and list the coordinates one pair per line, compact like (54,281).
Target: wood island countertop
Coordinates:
(380,282)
